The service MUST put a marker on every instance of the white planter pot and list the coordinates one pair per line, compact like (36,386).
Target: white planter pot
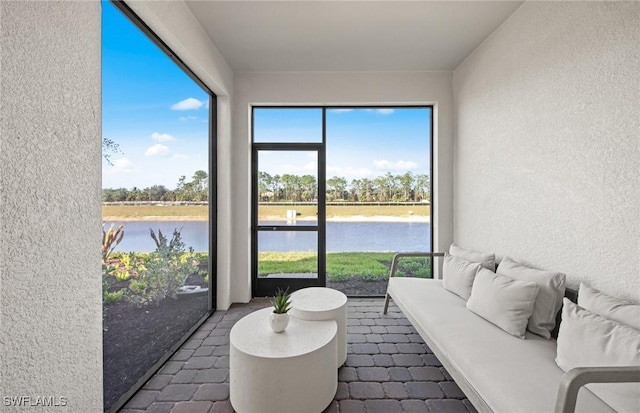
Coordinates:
(278,322)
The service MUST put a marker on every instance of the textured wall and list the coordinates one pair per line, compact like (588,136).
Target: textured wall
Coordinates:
(335,88)
(50,158)
(547,153)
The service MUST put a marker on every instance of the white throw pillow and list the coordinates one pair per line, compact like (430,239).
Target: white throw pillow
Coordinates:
(503,301)
(589,340)
(609,307)
(488,261)
(551,287)
(458,275)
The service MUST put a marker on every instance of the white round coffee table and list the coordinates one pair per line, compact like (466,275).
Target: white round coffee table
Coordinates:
(320,303)
(292,371)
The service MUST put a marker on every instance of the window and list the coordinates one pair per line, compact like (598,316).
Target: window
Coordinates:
(338,190)
(158,185)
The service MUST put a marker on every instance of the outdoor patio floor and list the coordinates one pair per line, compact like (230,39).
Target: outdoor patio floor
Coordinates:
(389,368)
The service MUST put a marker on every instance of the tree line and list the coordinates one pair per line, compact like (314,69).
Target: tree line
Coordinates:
(195,190)
(407,187)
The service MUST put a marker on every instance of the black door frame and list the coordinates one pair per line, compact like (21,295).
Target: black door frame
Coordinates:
(262,287)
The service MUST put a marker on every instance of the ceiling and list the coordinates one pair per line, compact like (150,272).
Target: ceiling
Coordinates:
(276,36)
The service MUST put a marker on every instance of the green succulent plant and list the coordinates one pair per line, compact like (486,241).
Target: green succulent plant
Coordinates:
(281,301)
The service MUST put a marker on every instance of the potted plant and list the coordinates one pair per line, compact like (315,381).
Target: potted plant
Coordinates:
(279,318)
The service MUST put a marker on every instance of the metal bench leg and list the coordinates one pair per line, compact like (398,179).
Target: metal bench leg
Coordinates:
(394,267)
(386,303)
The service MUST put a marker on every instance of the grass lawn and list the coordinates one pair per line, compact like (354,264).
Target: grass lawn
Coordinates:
(370,266)
(266,212)
(270,212)
(134,212)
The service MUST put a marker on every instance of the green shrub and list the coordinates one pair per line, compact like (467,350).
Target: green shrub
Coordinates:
(414,267)
(122,275)
(370,276)
(138,287)
(110,239)
(340,277)
(165,270)
(113,297)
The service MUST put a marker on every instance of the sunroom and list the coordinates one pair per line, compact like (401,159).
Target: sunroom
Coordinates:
(535,155)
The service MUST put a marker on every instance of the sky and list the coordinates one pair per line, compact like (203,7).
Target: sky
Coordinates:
(155,112)
(159,118)
(361,142)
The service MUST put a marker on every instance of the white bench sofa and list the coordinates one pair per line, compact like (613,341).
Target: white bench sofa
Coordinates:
(497,371)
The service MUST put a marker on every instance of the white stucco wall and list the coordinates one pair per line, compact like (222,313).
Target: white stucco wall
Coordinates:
(50,168)
(332,89)
(175,24)
(547,153)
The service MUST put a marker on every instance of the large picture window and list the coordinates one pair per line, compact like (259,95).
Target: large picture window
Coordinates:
(336,192)
(158,240)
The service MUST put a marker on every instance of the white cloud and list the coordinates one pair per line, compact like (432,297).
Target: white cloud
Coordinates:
(187,104)
(391,166)
(162,137)
(311,166)
(341,110)
(382,164)
(121,165)
(382,111)
(157,150)
(406,165)
(187,118)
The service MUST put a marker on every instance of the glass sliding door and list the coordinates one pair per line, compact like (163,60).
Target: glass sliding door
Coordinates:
(288,199)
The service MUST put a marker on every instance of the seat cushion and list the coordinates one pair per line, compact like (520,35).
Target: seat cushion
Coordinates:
(511,375)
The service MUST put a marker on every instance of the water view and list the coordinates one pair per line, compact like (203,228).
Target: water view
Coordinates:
(341,236)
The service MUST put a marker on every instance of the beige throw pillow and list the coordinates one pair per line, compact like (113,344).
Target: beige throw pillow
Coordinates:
(503,301)
(609,307)
(458,275)
(589,340)
(551,287)
(488,261)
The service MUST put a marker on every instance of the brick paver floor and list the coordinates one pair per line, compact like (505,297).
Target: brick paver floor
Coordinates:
(389,368)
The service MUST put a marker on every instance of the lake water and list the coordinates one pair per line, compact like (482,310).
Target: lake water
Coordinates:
(341,236)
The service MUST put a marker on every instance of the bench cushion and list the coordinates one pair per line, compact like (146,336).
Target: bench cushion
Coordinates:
(511,375)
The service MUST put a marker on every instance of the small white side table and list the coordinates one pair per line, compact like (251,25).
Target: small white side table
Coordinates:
(292,371)
(319,303)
